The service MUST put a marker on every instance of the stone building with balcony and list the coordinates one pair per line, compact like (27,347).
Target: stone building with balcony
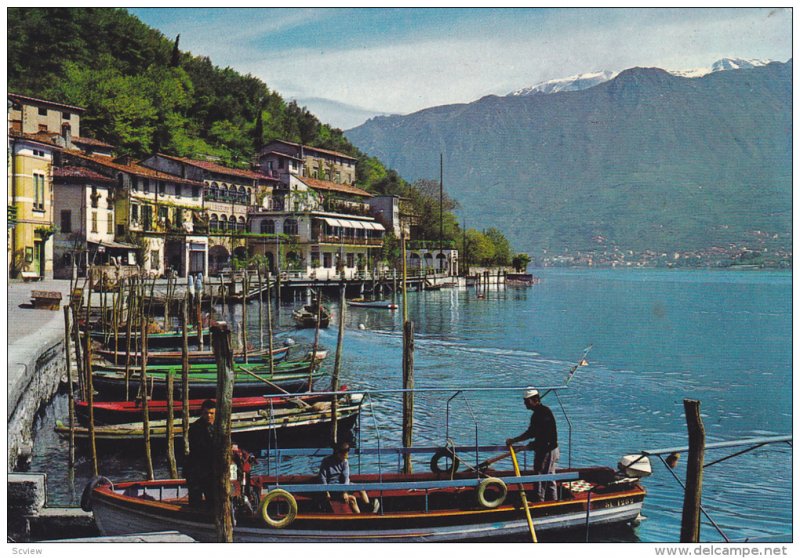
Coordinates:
(84,209)
(323,230)
(229,195)
(161,214)
(286,158)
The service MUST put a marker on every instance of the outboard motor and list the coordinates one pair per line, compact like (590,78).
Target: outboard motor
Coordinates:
(248,496)
(636,466)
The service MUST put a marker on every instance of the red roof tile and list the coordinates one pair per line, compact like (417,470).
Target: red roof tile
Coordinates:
(79,172)
(45,102)
(216,168)
(333,186)
(91,141)
(134,169)
(45,138)
(328,151)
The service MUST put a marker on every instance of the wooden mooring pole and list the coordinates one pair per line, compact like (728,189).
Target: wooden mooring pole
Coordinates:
(221,344)
(88,371)
(245,285)
(145,403)
(336,367)
(185,372)
(128,333)
(408,396)
(690,521)
(269,330)
(70,393)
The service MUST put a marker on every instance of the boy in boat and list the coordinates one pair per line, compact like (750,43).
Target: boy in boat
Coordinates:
(198,464)
(543,430)
(335,469)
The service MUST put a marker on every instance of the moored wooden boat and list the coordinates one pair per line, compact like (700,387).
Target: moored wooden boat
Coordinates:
(419,507)
(165,339)
(306,316)
(120,412)
(111,384)
(302,422)
(195,357)
(204,368)
(364,303)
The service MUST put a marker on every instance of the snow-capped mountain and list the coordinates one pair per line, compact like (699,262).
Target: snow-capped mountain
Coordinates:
(585,81)
(572,83)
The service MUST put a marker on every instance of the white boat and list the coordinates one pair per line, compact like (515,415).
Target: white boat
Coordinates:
(364,303)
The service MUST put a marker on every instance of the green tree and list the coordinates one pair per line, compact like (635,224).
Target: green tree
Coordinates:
(521,262)
(502,249)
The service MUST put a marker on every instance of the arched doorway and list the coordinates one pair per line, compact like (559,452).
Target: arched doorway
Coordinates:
(218,259)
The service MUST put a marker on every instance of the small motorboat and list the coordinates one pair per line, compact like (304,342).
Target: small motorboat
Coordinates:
(436,506)
(306,316)
(364,303)
(302,421)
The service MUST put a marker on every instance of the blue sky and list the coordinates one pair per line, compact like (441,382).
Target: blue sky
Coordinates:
(347,64)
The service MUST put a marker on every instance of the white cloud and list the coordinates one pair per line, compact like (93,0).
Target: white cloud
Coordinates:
(468,59)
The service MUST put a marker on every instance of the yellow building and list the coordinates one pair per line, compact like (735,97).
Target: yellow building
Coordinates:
(30,194)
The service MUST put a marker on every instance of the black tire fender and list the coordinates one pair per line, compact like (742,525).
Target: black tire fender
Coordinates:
(441,454)
(86,497)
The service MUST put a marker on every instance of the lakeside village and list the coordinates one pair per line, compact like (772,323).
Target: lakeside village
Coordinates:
(193,392)
(298,211)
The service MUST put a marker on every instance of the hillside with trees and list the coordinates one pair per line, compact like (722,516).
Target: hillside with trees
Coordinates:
(145,95)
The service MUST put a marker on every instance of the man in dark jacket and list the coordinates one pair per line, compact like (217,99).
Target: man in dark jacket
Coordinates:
(198,465)
(543,430)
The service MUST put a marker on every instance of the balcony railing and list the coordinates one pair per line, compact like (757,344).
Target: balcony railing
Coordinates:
(334,239)
(222,226)
(221,196)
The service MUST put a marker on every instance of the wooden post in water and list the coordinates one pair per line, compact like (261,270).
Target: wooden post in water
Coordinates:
(185,372)
(173,466)
(690,520)
(336,367)
(408,396)
(76,338)
(316,342)
(269,330)
(222,292)
(260,311)
(221,344)
(115,319)
(89,387)
(245,285)
(129,334)
(199,299)
(70,393)
(145,403)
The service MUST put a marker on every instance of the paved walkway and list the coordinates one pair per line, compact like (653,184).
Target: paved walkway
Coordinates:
(30,332)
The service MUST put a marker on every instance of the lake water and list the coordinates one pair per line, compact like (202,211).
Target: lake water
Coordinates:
(658,337)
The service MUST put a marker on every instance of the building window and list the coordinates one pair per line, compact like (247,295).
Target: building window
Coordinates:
(178,190)
(290,226)
(38,192)
(135,213)
(146,185)
(154,259)
(162,188)
(195,192)
(38,153)
(327,260)
(178,217)
(134,183)
(42,127)
(163,213)
(120,229)
(94,197)
(280,163)
(66,115)
(350,260)
(110,224)
(42,111)
(94,221)
(213,222)
(147,217)
(66,221)
(267,226)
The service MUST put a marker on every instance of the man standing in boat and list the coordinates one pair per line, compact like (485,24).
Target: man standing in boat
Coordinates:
(198,465)
(335,469)
(543,430)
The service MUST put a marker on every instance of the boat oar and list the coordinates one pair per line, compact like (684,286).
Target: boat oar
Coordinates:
(273,386)
(522,494)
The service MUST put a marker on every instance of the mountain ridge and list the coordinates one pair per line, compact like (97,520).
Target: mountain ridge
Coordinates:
(721,142)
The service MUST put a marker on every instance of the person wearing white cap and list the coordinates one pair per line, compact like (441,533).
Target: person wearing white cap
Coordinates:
(543,430)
